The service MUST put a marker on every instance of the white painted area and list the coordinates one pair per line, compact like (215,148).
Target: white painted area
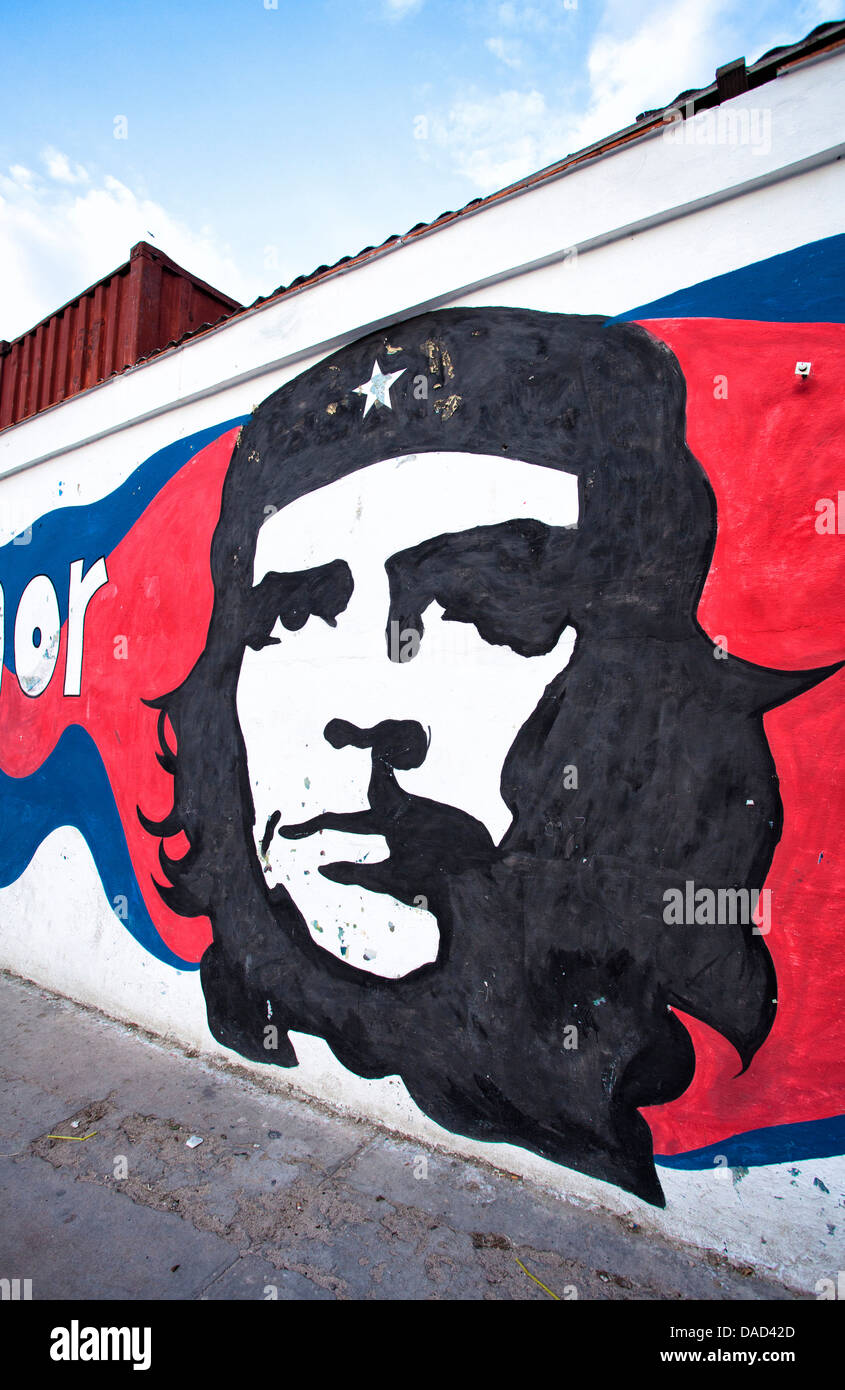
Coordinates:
(629,227)
(289,692)
(57,927)
(399,502)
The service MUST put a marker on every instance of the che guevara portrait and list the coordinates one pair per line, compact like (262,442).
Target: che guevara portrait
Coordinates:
(456,732)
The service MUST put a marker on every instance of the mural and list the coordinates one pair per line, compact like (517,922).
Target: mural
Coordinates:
(428,710)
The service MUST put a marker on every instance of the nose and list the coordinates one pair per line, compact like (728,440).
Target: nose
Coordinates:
(398,743)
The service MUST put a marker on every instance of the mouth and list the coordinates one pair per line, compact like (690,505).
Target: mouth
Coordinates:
(355,822)
(425,840)
(381,876)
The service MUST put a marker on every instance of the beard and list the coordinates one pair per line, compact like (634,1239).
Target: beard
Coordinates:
(532,1027)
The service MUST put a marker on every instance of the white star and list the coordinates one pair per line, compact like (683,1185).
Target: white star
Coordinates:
(377,389)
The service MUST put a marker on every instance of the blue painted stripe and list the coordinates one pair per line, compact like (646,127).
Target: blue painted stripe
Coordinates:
(72,788)
(88,531)
(806,285)
(775,1144)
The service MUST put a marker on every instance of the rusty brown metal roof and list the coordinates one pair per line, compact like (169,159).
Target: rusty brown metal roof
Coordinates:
(130,314)
(106,345)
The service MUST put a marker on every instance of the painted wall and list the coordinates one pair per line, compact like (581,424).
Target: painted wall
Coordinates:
(514,602)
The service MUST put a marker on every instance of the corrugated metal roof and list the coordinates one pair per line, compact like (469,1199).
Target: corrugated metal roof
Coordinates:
(130,314)
(68,374)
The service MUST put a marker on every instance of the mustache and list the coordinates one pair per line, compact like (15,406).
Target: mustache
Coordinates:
(356,822)
(424,838)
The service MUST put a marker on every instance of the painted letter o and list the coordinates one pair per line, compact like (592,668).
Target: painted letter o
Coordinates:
(38,631)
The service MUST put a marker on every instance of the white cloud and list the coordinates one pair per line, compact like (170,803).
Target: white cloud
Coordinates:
(56,240)
(22,175)
(641,57)
(533,19)
(397,9)
(506,51)
(813,12)
(682,44)
(492,142)
(59,167)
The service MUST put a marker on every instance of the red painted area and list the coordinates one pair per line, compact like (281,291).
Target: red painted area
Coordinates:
(155,608)
(776,593)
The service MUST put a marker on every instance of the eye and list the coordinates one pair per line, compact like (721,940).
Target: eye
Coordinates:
(508,581)
(287,601)
(287,619)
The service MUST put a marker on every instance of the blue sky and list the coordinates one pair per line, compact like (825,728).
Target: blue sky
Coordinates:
(261,142)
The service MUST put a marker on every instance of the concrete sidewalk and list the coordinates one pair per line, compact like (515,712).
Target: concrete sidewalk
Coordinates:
(281,1199)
